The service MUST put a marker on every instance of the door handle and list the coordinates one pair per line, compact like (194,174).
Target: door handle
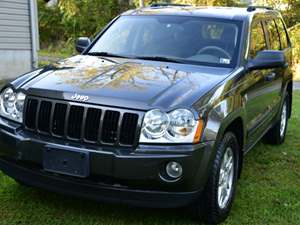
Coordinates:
(270,76)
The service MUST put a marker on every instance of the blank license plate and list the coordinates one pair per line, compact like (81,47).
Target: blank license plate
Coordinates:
(68,162)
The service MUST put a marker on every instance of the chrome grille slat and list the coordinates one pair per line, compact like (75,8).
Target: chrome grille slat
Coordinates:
(82,122)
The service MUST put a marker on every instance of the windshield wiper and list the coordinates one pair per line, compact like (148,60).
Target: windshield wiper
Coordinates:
(159,58)
(154,58)
(107,54)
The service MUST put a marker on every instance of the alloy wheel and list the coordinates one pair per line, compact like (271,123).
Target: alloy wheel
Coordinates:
(226,178)
(283,119)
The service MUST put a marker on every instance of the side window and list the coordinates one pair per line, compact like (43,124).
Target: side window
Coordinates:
(282,34)
(273,35)
(258,39)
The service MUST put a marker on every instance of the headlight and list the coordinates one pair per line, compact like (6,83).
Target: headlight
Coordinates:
(156,124)
(179,126)
(12,104)
(182,123)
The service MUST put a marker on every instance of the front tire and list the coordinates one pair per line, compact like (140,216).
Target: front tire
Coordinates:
(218,196)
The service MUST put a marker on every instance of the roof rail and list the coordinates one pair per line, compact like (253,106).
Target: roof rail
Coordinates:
(168,4)
(252,8)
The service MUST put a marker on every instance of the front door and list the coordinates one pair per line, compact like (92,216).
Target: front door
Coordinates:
(263,87)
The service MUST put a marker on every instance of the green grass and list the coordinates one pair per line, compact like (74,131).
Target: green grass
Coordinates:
(62,51)
(268,193)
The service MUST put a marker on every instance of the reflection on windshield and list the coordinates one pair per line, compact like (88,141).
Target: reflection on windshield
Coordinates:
(178,38)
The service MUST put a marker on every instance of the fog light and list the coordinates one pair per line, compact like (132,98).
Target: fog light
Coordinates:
(174,170)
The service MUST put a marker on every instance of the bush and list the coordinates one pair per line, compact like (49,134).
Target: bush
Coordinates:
(61,25)
(74,18)
(295,38)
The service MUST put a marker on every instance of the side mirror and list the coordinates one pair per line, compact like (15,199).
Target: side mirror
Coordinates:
(82,43)
(267,59)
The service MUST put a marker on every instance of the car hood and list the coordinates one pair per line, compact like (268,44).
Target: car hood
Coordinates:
(131,84)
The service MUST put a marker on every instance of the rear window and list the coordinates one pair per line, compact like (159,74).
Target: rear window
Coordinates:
(282,34)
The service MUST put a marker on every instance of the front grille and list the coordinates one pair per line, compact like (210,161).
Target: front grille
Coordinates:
(85,123)
(59,118)
(44,116)
(92,124)
(110,126)
(31,111)
(75,122)
(127,134)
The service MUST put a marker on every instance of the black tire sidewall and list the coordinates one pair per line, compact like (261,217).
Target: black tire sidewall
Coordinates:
(211,211)
(273,135)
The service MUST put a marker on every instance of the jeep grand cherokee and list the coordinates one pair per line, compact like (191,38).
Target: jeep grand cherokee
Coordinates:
(158,110)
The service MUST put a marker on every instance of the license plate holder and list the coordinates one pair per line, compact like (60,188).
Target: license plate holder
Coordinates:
(66,161)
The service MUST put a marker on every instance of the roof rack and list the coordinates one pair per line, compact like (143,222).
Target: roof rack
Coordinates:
(252,8)
(168,4)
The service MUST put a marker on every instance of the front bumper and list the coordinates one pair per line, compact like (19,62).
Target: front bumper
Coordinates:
(118,175)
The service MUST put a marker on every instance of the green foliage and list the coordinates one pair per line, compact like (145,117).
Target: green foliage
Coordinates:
(61,25)
(295,38)
(74,18)
(290,9)
(292,13)
(50,24)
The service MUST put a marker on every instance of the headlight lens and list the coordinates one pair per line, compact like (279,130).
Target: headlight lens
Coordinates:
(9,98)
(20,99)
(12,104)
(155,124)
(182,123)
(178,126)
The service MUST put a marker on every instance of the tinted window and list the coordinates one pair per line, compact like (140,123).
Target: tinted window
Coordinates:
(273,35)
(258,40)
(282,33)
(189,39)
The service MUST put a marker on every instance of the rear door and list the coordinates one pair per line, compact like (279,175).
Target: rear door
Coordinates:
(274,77)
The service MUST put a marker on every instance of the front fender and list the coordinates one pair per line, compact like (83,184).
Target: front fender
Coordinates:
(221,116)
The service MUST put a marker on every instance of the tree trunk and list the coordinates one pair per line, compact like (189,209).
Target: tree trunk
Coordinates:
(142,3)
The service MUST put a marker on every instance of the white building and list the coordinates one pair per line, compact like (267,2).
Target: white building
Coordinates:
(18,37)
(52,3)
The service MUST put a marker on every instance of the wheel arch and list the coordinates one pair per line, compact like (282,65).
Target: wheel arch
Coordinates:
(228,115)
(237,127)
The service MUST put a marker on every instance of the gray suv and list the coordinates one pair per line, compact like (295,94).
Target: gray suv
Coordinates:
(159,110)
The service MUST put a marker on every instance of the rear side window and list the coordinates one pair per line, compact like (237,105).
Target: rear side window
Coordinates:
(273,35)
(258,39)
(282,34)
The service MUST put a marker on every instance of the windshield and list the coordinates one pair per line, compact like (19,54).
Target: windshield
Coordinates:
(183,39)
